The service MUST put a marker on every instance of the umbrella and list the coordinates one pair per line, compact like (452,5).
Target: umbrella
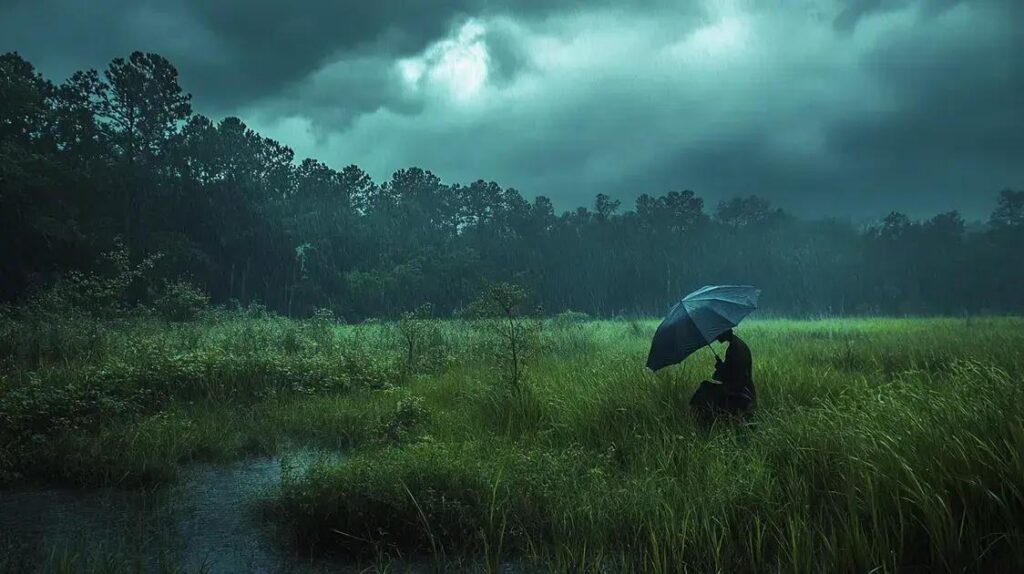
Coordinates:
(698,319)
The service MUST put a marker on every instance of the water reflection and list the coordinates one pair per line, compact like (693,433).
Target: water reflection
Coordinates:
(210,520)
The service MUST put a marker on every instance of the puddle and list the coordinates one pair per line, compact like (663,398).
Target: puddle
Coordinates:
(209,521)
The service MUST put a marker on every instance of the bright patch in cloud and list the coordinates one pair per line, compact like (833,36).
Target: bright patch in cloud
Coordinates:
(458,65)
(715,41)
(725,35)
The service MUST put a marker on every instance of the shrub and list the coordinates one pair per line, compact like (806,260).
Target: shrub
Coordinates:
(36,416)
(421,340)
(39,410)
(180,301)
(321,328)
(409,413)
(511,329)
(101,292)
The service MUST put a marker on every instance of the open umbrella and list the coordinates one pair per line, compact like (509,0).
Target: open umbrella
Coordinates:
(698,319)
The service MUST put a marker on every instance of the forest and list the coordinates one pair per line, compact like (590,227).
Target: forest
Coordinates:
(113,174)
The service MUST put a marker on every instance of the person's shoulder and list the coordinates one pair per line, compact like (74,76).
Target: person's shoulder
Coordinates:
(740,345)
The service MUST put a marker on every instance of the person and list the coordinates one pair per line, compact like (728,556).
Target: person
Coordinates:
(732,390)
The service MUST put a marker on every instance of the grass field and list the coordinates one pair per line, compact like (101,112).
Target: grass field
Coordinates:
(879,444)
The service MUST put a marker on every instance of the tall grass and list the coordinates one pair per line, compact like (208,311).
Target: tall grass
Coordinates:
(879,444)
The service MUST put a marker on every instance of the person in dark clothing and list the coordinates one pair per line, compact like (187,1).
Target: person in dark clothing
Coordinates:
(732,390)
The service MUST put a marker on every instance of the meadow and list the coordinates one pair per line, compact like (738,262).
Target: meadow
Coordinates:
(879,444)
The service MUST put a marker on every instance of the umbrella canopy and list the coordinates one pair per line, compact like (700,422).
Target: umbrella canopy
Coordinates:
(698,319)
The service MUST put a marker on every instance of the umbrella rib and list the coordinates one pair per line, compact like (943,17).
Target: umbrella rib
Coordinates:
(707,340)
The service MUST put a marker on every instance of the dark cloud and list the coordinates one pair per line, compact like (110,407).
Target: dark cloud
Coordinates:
(855,10)
(232,51)
(954,132)
(274,44)
(841,107)
(228,51)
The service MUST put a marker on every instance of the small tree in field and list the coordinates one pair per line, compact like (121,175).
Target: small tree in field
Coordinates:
(513,329)
(419,336)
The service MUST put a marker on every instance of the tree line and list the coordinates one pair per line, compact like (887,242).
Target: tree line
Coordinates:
(120,158)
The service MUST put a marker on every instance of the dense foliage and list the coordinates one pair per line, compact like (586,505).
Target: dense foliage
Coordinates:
(120,156)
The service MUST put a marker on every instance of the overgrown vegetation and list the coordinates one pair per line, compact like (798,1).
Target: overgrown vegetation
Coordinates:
(880,443)
(86,399)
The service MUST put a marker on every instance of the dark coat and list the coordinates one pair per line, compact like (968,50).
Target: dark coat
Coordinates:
(737,369)
(735,395)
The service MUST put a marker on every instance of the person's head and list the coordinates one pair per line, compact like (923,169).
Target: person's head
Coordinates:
(725,337)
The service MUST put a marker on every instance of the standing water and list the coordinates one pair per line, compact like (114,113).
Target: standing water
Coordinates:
(209,521)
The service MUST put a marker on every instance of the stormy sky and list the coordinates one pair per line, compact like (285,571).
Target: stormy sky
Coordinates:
(826,107)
